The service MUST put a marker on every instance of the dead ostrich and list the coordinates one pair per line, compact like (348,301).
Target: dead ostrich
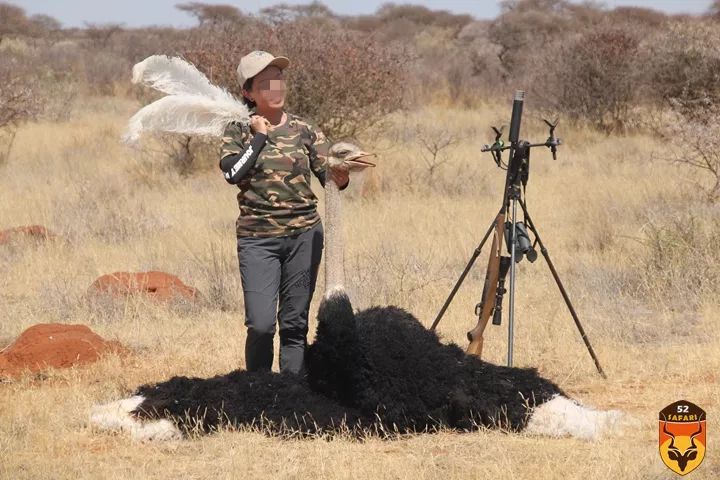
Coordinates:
(383,362)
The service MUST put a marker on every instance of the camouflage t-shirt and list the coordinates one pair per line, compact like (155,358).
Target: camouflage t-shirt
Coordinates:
(275,198)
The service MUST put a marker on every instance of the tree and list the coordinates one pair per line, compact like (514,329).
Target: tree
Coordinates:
(714,10)
(12,21)
(100,34)
(525,27)
(423,16)
(209,15)
(283,12)
(19,100)
(600,77)
(646,17)
(45,23)
(343,80)
(685,74)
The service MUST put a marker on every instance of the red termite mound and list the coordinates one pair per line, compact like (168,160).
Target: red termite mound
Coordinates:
(157,285)
(54,345)
(31,231)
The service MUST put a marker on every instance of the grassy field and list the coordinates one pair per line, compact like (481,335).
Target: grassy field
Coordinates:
(613,212)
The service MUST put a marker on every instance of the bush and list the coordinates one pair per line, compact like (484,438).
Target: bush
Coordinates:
(638,17)
(526,28)
(685,76)
(20,98)
(12,21)
(182,154)
(714,10)
(487,74)
(137,44)
(103,71)
(595,78)
(345,81)
(685,70)
(402,23)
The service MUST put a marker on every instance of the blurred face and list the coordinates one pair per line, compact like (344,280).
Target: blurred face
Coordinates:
(268,89)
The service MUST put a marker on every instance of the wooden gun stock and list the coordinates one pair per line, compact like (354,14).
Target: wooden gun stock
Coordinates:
(475,336)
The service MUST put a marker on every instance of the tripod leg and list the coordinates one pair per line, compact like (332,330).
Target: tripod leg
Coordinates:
(555,275)
(469,265)
(511,306)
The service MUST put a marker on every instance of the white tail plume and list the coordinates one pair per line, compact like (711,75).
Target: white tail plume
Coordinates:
(194,106)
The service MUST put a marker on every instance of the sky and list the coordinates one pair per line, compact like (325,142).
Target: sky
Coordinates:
(136,13)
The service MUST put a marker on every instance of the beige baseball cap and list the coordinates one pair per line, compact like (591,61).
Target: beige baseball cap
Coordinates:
(254,63)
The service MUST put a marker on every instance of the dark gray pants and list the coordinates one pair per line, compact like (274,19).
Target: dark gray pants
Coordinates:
(283,268)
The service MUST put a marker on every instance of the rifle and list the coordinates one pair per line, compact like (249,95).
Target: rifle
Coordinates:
(498,265)
(515,236)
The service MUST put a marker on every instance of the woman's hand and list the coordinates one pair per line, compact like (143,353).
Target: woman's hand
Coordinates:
(340,176)
(260,124)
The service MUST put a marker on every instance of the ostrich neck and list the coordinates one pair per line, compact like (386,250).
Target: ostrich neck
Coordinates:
(334,266)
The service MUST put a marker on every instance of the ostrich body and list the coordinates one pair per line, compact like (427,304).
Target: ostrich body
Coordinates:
(383,362)
(378,369)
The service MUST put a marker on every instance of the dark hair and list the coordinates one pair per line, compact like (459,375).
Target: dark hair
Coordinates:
(248,86)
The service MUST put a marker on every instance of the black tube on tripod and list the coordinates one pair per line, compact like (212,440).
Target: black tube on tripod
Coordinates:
(516,117)
(513,162)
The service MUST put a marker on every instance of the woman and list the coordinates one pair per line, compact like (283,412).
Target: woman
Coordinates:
(279,233)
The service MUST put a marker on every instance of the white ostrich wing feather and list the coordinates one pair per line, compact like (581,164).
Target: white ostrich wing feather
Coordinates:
(175,76)
(188,114)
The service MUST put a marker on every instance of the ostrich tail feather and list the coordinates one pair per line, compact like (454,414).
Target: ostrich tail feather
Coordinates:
(175,76)
(188,114)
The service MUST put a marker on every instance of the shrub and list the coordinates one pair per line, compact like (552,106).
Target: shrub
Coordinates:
(638,16)
(182,154)
(685,76)
(103,71)
(525,29)
(594,78)
(211,14)
(282,13)
(685,70)
(714,10)
(12,21)
(402,23)
(345,81)
(20,99)
(486,74)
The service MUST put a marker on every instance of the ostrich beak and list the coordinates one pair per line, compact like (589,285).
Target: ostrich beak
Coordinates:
(354,162)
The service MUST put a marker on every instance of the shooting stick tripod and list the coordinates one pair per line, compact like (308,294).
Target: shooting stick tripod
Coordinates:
(516,237)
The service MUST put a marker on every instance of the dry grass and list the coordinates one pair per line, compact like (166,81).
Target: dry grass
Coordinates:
(409,238)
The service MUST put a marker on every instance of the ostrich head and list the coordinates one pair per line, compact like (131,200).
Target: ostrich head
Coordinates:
(348,157)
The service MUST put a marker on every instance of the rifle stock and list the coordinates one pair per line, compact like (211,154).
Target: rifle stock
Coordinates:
(475,336)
